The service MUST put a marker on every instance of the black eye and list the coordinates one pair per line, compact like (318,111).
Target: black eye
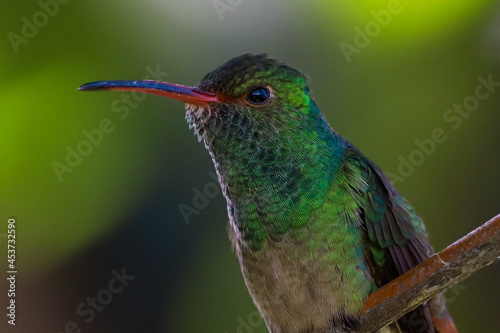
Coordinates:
(259,95)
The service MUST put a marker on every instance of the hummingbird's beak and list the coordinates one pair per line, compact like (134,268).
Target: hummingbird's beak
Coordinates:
(185,94)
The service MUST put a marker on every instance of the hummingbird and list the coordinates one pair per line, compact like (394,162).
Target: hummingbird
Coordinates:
(315,224)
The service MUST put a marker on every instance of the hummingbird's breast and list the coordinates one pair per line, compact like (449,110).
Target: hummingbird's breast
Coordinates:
(302,289)
(315,278)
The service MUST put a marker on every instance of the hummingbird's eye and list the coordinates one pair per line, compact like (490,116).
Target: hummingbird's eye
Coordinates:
(259,95)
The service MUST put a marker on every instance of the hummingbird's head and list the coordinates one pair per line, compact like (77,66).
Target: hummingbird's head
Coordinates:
(255,81)
(254,90)
(257,98)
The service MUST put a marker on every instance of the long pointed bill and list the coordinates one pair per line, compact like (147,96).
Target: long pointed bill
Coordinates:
(179,92)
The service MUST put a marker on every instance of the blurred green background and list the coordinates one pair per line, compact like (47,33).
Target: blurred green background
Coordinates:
(118,207)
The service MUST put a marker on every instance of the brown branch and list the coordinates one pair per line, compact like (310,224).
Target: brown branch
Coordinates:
(443,270)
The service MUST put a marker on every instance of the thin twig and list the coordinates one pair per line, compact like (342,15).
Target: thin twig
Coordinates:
(441,271)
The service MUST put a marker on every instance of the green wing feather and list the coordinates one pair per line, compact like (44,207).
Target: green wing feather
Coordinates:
(395,239)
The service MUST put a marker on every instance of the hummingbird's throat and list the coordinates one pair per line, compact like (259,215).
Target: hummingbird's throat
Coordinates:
(271,179)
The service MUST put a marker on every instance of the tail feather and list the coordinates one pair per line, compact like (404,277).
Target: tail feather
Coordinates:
(440,316)
(431,317)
